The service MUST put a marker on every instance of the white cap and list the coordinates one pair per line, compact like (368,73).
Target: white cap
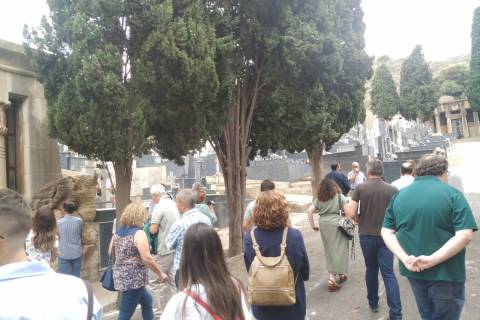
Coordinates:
(157,189)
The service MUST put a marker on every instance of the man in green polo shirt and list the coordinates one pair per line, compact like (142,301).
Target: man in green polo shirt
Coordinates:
(427,226)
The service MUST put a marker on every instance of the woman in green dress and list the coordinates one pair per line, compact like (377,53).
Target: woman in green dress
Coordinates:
(335,243)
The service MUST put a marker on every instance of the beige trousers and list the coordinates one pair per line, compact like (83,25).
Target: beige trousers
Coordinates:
(162,292)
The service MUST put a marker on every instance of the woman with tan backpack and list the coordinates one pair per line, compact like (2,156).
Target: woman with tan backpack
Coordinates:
(277,261)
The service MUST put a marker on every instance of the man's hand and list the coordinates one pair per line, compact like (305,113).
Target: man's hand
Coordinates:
(424,262)
(409,263)
(163,277)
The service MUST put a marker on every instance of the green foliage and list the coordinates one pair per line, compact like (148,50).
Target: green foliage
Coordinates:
(318,90)
(384,94)
(453,81)
(473,92)
(81,55)
(418,95)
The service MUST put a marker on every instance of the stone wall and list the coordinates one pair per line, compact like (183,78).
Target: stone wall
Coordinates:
(37,154)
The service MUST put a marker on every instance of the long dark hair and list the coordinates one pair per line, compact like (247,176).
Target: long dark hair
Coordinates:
(44,229)
(203,263)
(327,190)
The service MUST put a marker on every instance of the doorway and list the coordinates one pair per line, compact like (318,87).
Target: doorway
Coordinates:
(457,128)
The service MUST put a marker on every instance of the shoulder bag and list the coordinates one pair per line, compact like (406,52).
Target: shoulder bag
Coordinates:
(271,279)
(107,276)
(345,225)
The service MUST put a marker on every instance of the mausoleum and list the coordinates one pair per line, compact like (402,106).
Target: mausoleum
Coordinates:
(453,116)
(28,156)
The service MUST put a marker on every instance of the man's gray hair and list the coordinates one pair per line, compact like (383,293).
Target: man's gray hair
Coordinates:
(15,215)
(432,165)
(188,197)
(375,167)
(157,189)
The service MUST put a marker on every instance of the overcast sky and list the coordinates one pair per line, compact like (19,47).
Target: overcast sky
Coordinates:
(394,27)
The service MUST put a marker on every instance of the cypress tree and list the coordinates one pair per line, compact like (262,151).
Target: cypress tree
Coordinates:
(384,94)
(473,92)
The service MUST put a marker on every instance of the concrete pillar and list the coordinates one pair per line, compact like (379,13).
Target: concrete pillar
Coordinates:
(4,105)
(476,121)
(449,122)
(438,128)
(466,132)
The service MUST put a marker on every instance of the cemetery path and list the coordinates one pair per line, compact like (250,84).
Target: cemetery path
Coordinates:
(351,303)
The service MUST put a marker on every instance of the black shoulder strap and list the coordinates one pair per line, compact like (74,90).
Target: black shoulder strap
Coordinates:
(90,300)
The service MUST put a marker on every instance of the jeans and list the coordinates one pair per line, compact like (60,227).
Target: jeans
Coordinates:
(377,256)
(130,300)
(438,300)
(70,266)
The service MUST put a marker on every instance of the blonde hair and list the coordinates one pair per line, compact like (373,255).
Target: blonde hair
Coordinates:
(134,215)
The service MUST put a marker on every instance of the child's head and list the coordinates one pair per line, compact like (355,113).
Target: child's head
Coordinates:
(69,207)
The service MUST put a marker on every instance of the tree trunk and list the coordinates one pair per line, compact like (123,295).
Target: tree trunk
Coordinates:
(315,158)
(123,177)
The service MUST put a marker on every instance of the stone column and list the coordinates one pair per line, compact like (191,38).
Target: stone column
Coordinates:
(4,105)
(476,121)
(466,132)
(449,122)
(438,128)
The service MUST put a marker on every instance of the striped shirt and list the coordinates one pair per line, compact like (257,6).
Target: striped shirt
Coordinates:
(70,232)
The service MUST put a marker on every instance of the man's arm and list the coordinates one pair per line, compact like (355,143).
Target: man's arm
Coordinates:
(157,216)
(172,236)
(451,248)
(391,241)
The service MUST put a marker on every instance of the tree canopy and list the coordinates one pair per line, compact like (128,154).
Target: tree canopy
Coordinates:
(384,96)
(453,81)
(473,92)
(418,97)
(97,59)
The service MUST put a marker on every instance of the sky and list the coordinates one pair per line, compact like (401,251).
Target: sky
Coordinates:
(394,27)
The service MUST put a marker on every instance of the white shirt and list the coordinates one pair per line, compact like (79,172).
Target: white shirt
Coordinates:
(164,214)
(193,311)
(359,179)
(32,290)
(403,182)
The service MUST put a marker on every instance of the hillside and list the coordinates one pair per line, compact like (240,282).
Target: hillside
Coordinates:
(435,66)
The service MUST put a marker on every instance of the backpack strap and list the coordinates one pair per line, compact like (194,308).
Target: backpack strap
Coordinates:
(205,306)
(283,245)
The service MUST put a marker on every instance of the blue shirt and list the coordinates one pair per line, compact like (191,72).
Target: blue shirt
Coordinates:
(70,230)
(341,180)
(174,239)
(32,290)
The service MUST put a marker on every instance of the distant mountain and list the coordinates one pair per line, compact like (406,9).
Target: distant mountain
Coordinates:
(436,67)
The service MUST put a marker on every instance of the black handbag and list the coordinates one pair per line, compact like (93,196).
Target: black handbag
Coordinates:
(345,225)
(107,277)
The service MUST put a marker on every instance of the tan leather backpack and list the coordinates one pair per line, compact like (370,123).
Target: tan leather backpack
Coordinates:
(270,279)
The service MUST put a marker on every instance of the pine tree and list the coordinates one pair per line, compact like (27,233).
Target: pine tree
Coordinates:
(418,97)
(473,92)
(384,94)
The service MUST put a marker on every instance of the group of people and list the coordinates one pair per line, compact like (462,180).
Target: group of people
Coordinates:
(419,218)
(427,225)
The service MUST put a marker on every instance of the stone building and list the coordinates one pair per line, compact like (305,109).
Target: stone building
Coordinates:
(28,157)
(455,117)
